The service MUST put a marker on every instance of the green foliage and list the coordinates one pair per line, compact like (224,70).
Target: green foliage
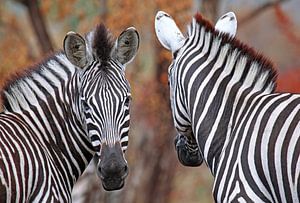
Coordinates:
(73,22)
(91,9)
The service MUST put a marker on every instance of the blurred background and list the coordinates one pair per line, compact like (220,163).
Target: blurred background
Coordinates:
(31,29)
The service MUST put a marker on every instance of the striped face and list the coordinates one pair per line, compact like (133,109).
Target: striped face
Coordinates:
(105,96)
(105,100)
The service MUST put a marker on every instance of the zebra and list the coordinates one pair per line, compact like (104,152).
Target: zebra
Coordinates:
(228,115)
(60,113)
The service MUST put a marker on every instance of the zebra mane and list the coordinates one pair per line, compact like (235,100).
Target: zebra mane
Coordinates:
(16,88)
(265,74)
(102,42)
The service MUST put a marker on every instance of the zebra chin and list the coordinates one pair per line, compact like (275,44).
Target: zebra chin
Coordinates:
(112,184)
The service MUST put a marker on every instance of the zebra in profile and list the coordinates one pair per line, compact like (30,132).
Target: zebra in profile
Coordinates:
(60,113)
(227,113)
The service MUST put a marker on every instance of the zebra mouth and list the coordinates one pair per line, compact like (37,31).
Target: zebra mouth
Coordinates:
(111,184)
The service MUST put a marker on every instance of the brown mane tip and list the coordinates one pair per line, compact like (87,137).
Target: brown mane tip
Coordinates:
(253,55)
(202,21)
(198,17)
(15,76)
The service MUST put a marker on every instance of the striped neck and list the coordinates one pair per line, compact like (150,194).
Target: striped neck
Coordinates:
(46,98)
(215,73)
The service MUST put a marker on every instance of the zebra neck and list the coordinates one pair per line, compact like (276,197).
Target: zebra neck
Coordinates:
(219,109)
(46,99)
(215,84)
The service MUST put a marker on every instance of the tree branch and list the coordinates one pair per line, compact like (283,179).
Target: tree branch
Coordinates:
(209,9)
(256,12)
(38,24)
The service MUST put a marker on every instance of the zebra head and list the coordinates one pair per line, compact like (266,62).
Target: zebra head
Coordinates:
(105,96)
(172,39)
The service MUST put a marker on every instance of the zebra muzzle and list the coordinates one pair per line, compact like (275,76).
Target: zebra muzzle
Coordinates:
(112,167)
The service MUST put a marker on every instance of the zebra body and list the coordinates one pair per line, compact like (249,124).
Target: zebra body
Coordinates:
(35,134)
(47,137)
(222,98)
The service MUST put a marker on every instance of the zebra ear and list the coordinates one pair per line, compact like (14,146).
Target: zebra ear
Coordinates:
(227,23)
(167,32)
(126,46)
(75,49)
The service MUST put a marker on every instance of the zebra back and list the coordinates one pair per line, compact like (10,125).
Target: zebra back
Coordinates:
(223,98)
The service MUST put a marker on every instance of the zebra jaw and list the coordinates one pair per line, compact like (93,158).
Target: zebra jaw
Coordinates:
(186,155)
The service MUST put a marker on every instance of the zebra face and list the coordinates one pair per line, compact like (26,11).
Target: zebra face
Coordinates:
(105,96)
(105,101)
(106,112)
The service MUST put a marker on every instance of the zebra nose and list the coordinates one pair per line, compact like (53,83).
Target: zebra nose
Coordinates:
(112,164)
(113,175)
(113,169)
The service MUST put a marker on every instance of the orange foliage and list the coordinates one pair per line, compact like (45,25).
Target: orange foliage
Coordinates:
(289,81)
(286,26)
(15,52)
(64,8)
(122,15)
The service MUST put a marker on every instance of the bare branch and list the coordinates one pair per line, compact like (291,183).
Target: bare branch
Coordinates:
(103,11)
(256,12)
(38,24)
(209,9)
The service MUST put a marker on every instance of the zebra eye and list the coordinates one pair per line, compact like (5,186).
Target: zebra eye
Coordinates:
(127,101)
(175,54)
(85,105)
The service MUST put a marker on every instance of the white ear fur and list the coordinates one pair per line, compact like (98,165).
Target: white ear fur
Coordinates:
(167,32)
(227,23)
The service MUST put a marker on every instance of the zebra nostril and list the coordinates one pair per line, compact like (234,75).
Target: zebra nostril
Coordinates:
(125,169)
(101,172)
(125,172)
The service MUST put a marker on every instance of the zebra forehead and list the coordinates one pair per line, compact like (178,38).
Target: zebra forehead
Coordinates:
(102,42)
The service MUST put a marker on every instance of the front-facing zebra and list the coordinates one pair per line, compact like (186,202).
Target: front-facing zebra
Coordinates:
(58,114)
(227,113)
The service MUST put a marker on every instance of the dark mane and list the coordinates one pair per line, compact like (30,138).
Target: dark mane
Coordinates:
(265,64)
(14,78)
(102,43)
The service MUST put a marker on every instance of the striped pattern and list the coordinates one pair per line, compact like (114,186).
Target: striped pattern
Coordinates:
(222,93)
(55,118)
(44,147)
(110,112)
